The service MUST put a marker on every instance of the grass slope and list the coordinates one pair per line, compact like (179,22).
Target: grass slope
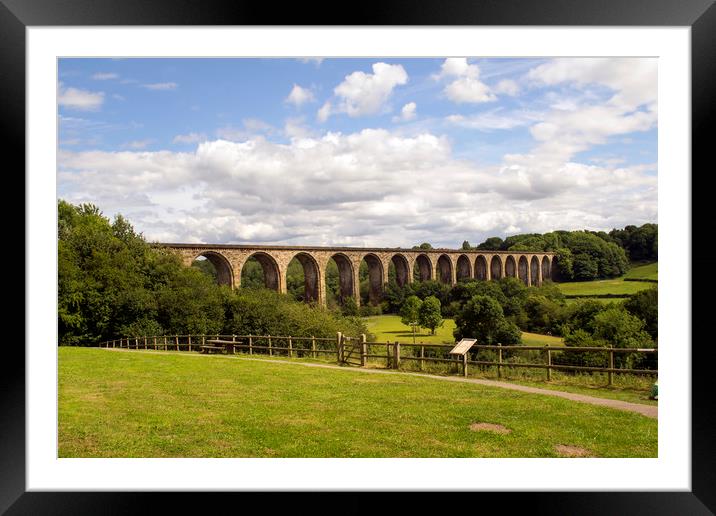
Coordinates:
(615,285)
(145,404)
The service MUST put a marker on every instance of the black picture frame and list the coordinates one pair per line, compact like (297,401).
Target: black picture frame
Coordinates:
(700,15)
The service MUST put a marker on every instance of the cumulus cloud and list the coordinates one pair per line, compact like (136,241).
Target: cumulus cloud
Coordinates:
(299,96)
(372,187)
(77,99)
(466,86)
(407,113)
(633,80)
(363,93)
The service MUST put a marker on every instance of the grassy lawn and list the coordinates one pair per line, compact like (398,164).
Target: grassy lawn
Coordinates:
(147,404)
(389,328)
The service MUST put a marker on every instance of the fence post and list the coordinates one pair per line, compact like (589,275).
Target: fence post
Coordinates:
(611,363)
(155,343)
(422,358)
(165,342)
(269,346)
(136,342)
(145,342)
(549,362)
(388,364)
(251,345)
(290,347)
(464,364)
(176,338)
(313,346)
(499,360)
(363,349)
(233,346)
(189,342)
(339,343)
(396,355)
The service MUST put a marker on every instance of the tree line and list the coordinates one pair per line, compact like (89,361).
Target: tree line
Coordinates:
(584,255)
(112,284)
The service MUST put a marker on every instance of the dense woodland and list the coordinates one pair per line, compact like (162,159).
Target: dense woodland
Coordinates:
(112,283)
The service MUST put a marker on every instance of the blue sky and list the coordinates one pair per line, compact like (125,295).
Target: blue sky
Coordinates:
(359,151)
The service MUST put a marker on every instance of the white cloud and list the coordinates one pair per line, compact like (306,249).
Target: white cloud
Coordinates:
(633,80)
(366,94)
(189,138)
(300,96)
(81,100)
(161,86)
(324,112)
(507,87)
(105,76)
(467,87)
(369,188)
(407,113)
(495,119)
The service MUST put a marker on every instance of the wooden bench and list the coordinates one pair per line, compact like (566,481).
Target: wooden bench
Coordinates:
(219,346)
(210,349)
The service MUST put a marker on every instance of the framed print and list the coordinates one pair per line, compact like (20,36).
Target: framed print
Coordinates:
(49,50)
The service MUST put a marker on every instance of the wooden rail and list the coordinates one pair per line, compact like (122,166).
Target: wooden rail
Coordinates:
(356,351)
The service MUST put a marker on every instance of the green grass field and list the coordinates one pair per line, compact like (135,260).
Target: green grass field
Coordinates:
(149,404)
(646,271)
(389,328)
(615,285)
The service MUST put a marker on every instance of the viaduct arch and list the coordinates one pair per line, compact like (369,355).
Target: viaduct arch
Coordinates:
(445,265)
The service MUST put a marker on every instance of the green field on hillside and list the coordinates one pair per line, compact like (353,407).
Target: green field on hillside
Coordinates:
(614,285)
(154,404)
(647,271)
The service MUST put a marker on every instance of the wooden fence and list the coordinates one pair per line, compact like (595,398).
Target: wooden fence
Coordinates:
(357,351)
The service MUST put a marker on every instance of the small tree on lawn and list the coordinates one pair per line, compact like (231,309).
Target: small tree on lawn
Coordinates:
(410,312)
(429,315)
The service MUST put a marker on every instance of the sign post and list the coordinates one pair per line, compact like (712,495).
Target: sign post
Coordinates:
(461,349)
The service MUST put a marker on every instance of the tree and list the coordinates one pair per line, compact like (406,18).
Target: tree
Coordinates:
(482,318)
(424,245)
(466,246)
(410,311)
(645,306)
(491,244)
(429,315)
(349,307)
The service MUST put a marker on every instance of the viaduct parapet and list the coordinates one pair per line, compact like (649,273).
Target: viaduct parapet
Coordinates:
(445,265)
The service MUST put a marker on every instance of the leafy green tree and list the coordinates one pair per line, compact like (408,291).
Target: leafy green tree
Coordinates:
(491,244)
(466,246)
(429,315)
(482,318)
(410,312)
(645,305)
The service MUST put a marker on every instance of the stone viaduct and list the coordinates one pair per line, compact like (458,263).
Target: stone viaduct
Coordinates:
(445,265)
